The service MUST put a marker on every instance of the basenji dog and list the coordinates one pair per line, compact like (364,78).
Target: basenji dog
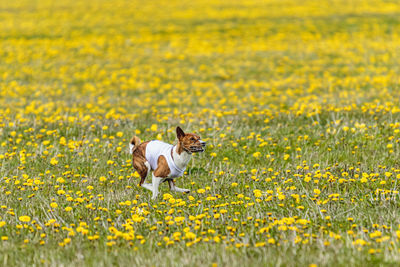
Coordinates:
(165,160)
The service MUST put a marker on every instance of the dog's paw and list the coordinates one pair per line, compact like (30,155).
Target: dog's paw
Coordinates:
(182,190)
(148,186)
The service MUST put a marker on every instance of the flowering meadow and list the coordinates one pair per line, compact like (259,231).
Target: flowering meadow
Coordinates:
(298,102)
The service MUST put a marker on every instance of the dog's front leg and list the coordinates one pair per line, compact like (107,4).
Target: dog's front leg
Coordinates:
(156,183)
(174,188)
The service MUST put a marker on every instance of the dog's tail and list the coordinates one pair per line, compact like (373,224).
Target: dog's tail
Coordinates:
(133,144)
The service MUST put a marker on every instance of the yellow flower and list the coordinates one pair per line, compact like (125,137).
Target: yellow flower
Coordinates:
(260,244)
(190,235)
(167,196)
(154,128)
(63,141)
(257,193)
(53,161)
(53,205)
(25,218)
(360,242)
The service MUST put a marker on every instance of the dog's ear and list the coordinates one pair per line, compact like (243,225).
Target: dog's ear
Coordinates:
(179,133)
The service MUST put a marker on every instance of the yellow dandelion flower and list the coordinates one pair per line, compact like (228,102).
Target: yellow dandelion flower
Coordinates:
(154,128)
(25,218)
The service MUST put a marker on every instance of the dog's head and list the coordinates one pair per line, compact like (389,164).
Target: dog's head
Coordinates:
(190,142)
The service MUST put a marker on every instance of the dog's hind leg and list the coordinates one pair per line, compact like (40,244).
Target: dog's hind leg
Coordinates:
(156,181)
(142,166)
(146,171)
(148,186)
(142,184)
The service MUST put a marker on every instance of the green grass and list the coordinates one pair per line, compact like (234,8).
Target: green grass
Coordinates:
(298,103)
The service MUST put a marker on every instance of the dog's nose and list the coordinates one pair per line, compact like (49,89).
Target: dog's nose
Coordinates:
(202,143)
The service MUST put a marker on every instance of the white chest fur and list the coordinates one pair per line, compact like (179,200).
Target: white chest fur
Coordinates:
(181,160)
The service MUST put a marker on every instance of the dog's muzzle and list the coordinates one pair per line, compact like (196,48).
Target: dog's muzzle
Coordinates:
(198,148)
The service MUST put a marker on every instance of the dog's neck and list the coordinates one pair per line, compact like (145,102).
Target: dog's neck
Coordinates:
(180,156)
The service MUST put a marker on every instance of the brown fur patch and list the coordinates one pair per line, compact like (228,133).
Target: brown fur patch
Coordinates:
(139,160)
(135,141)
(162,168)
(140,149)
(187,141)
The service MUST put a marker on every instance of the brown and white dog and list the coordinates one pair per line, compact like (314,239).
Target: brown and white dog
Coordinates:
(165,160)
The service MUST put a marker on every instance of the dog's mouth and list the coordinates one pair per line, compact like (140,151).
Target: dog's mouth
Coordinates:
(195,149)
(199,148)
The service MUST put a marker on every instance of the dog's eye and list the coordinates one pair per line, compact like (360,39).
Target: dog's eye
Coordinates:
(192,139)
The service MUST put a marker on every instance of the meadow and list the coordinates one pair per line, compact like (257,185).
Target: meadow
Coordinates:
(298,102)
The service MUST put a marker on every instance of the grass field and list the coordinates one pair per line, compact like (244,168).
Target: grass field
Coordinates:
(297,100)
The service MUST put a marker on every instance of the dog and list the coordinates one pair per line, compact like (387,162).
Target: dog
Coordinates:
(165,160)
